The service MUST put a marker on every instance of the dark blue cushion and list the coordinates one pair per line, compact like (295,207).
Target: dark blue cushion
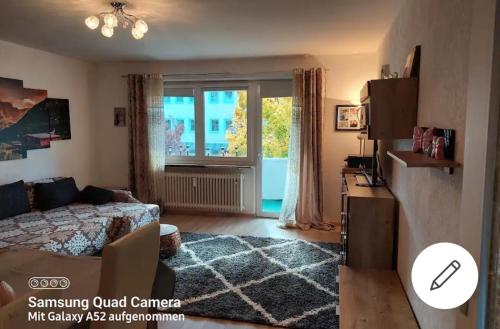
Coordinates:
(13,200)
(95,195)
(57,194)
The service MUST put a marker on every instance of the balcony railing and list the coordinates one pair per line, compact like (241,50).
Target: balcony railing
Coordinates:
(273,183)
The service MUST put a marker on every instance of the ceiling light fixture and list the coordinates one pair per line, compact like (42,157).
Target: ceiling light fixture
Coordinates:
(117,17)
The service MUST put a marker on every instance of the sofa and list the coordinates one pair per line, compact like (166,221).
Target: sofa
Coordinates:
(76,228)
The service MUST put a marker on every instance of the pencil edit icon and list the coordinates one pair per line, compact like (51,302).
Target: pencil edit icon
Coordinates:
(445,275)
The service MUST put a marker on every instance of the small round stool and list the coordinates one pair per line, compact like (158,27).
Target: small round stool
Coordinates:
(170,240)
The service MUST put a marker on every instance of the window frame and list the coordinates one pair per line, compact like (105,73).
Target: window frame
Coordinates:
(200,158)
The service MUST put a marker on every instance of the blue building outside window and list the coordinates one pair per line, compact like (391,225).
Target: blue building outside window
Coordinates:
(214,97)
(218,118)
(214,125)
(228,97)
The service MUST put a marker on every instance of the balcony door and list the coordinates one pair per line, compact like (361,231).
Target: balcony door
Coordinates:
(274,131)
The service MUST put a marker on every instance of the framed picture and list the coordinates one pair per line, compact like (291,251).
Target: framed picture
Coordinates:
(120,117)
(350,118)
(412,65)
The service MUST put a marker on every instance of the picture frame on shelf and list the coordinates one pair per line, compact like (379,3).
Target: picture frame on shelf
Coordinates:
(350,117)
(412,65)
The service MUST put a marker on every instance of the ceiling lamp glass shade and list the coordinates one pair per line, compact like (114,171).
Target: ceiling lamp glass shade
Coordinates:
(92,22)
(137,34)
(117,16)
(107,31)
(141,26)
(110,20)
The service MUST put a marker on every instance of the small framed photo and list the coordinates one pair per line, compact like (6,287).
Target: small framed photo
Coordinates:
(350,118)
(412,65)
(120,117)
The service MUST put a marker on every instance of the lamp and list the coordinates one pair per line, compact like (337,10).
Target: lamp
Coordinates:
(116,17)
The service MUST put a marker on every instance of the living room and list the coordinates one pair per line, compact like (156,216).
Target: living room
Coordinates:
(295,161)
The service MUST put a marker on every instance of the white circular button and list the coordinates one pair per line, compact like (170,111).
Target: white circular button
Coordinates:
(444,275)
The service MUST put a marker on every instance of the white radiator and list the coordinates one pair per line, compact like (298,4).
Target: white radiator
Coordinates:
(207,191)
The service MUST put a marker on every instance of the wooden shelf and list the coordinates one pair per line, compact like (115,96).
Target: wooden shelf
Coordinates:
(410,159)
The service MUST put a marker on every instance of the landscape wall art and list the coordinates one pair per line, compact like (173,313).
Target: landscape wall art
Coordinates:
(29,120)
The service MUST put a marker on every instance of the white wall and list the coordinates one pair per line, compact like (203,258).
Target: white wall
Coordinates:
(65,78)
(454,93)
(345,76)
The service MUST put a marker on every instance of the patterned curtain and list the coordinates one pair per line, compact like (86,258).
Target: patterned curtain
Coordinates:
(147,138)
(303,201)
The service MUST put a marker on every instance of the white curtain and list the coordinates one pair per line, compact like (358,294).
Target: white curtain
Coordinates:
(289,205)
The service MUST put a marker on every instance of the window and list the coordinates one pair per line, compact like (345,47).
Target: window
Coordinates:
(276,125)
(232,143)
(179,122)
(214,125)
(214,97)
(207,122)
(179,143)
(228,97)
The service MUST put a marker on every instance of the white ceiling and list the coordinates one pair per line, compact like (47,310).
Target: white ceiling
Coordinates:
(192,29)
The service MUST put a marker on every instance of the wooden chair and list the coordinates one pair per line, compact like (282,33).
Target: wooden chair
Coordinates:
(128,269)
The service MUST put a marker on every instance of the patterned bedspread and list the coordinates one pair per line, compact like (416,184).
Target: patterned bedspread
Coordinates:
(77,229)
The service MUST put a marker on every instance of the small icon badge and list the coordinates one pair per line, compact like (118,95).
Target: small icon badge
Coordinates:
(48,283)
(445,275)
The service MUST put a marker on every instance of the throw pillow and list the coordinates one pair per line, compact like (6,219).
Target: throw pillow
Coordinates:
(14,200)
(124,196)
(57,194)
(95,195)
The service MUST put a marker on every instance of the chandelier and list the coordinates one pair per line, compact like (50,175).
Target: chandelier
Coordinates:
(117,17)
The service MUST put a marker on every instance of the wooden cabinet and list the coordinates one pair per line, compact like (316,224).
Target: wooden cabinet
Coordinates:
(367,220)
(392,106)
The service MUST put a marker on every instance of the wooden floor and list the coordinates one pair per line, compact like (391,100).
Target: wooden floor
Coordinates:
(238,226)
(370,299)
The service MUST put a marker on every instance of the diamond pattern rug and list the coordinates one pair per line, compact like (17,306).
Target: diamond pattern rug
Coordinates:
(279,282)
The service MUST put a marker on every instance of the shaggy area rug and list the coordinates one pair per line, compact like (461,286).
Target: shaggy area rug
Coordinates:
(279,282)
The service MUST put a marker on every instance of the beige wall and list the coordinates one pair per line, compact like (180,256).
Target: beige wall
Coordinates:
(345,76)
(63,78)
(434,206)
